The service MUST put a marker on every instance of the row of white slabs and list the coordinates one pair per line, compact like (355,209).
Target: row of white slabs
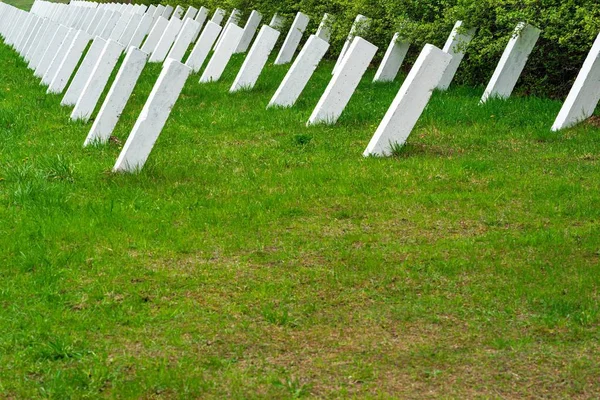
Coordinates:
(434,68)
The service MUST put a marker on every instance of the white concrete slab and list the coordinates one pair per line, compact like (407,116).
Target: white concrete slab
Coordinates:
(43,44)
(110,25)
(130,29)
(456,45)
(120,26)
(203,46)
(584,94)
(343,83)
(292,40)
(360,27)
(155,34)
(222,54)
(325,26)
(86,103)
(512,62)
(392,60)
(300,72)
(277,22)
(234,18)
(168,12)
(166,40)
(218,16)
(249,31)
(409,103)
(62,36)
(200,19)
(190,13)
(117,96)
(256,59)
(183,40)
(69,62)
(141,31)
(153,117)
(178,13)
(83,72)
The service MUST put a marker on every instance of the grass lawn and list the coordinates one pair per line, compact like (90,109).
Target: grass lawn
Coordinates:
(255,257)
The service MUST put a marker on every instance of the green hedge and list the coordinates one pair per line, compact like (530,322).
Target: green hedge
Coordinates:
(569,28)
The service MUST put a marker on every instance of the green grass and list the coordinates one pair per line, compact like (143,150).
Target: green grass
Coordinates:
(254,257)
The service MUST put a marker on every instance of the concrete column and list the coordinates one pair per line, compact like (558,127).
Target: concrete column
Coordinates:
(141,31)
(166,40)
(392,60)
(292,40)
(84,72)
(256,59)
(249,31)
(234,19)
(130,29)
(86,103)
(221,56)
(153,117)
(512,62)
(155,34)
(203,45)
(324,29)
(200,19)
(344,82)
(117,96)
(300,72)
(69,62)
(360,26)
(183,40)
(456,45)
(410,101)
(43,44)
(62,35)
(585,93)
(218,16)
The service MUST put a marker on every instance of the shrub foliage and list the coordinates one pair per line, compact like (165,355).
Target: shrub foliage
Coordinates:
(569,28)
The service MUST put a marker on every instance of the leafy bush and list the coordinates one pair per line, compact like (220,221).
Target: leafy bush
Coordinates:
(569,28)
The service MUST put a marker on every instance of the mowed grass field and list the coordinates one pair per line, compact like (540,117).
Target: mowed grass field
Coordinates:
(255,257)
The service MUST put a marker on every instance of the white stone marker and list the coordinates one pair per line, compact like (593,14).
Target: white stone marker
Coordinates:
(359,27)
(178,13)
(234,18)
(249,31)
(43,44)
(203,45)
(91,28)
(256,59)
(585,93)
(343,83)
(292,40)
(324,29)
(102,22)
(24,32)
(110,25)
(36,39)
(218,16)
(190,13)
(130,29)
(183,40)
(58,57)
(32,37)
(200,19)
(153,117)
(221,56)
(160,9)
(69,62)
(83,72)
(300,72)
(512,62)
(151,10)
(166,40)
(168,12)
(155,34)
(409,103)
(456,45)
(97,82)
(141,31)
(117,96)
(120,26)
(277,22)
(392,60)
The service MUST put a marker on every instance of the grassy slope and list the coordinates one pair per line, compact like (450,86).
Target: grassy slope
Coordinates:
(256,257)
